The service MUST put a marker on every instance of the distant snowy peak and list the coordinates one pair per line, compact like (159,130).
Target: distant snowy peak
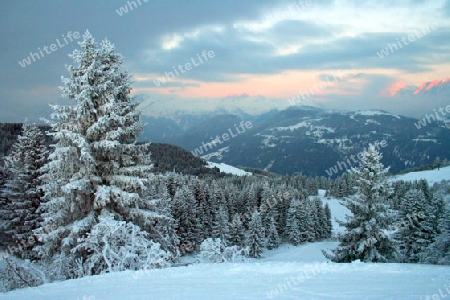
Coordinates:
(375,112)
(243,105)
(434,86)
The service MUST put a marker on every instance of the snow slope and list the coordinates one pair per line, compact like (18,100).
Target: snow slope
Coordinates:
(224,168)
(338,211)
(431,176)
(286,273)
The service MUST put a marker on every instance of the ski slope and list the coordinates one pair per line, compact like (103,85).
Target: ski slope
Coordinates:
(286,273)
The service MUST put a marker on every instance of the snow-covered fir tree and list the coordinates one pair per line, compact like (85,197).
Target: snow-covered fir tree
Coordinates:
(273,239)
(255,236)
(96,164)
(184,211)
(162,226)
(22,191)
(319,219)
(328,224)
(295,235)
(439,251)
(364,237)
(414,227)
(237,232)
(220,227)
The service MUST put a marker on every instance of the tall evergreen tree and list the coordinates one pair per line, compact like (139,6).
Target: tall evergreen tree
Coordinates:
(364,237)
(319,219)
(22,190)
(328,224)
(415,228)
(306,218)
(96,164)
(220,227)
(439,251)
(4,215)
(295,235)
(255,236)
(237,233)
(273,239)
(184,210)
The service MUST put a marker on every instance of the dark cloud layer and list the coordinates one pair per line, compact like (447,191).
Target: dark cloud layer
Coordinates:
(201,25)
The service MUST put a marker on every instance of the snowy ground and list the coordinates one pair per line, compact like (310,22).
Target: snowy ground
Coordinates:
(224,168)
(286,273)
(431,176)
(338,211)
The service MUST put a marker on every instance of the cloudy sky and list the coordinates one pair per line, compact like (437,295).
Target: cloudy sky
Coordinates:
(259,51)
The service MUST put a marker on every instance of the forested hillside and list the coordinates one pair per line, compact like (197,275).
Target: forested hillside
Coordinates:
(165,157)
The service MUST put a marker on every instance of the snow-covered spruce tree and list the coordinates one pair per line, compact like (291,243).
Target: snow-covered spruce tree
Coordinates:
(96,164)
(414,233)
(184,210)
(255,236)
(237,233)
(22,190)
(295,236)
(300,212)
(220,228)
(439,251)
(328,224)
(162,226)
(273,239)
(4,217)
(364,237)
(319,219)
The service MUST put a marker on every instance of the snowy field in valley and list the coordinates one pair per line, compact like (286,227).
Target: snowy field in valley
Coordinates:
(431,176)
(224,168)
(286,273)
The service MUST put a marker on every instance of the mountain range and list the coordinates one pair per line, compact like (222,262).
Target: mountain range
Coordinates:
(308,139)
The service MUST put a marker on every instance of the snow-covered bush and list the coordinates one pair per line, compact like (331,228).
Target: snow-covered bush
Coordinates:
(21,274)
(113,246)
(236,254)
(210,251)
(214,251)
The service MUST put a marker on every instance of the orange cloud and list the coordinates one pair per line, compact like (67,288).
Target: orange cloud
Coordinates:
(282,85)
(393,89)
